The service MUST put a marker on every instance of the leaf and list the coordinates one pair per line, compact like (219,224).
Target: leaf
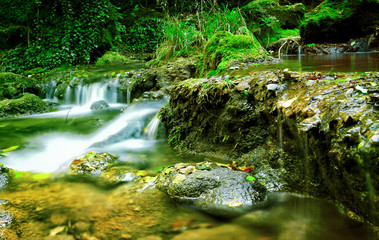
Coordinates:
(352,43)
(311,44)
(373,84)
(361,89)
(41,176)
(250,178)
(10,149)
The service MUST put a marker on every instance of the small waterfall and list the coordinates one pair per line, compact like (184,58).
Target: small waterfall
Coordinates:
(87,94)
(151,130)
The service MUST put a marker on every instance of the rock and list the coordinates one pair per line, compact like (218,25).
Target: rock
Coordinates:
(92,163)
(375,140)
(243,86)
(99,105)
(3,176)
(219,191)
(6,218)
(316,140)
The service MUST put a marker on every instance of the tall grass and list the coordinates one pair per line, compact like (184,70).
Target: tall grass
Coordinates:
(184,35)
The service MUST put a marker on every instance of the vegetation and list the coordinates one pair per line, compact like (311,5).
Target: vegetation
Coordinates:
(28,103)
(60,32)
(112,58)
(224,48)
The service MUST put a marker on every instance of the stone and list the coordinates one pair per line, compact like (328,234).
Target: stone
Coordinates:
(243,86)
(216,190)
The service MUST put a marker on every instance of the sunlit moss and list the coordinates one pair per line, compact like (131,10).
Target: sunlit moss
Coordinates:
(224,48)
(112,58)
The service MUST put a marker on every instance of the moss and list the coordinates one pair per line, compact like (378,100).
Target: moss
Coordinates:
(112,58)
(27,104)
(338,21)
(268,19)
(224,49)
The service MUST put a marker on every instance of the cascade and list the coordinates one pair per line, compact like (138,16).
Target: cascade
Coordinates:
(87,94)
(50,152)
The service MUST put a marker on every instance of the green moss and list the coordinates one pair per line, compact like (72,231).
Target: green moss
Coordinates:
(112,58)
(224,49)
(27,104)
(331,10)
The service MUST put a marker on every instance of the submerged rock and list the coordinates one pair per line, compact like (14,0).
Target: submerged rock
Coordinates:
(99,105)
(213,189)
(92,163)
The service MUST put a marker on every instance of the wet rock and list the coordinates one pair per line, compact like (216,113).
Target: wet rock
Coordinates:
(4,178)
(6,218)
(215,190)
(276,87)
(99,105)
(92,163)
(375,140)
(243,86)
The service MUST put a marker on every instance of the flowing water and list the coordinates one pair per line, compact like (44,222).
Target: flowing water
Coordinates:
(46,204)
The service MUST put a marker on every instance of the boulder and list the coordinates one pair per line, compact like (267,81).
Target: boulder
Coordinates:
(212,188)
(27,104)
(99,105)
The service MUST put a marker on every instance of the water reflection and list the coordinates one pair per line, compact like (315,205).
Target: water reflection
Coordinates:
(348,62)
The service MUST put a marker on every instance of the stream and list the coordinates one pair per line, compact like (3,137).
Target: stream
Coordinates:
(47,204)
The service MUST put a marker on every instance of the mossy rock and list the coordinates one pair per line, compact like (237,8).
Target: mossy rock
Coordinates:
(338,21)
(27,104)
(112,58)
(224,49)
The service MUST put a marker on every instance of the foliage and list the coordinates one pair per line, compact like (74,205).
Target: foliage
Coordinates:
(270,21)
(66,31)
(184,37)
(145,35)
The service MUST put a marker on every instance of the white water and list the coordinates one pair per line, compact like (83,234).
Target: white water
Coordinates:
(51,152)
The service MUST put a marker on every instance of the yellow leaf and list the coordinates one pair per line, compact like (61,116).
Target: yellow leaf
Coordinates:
(10,149)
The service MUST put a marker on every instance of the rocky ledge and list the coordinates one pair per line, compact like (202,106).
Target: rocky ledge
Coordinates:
(302,132)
